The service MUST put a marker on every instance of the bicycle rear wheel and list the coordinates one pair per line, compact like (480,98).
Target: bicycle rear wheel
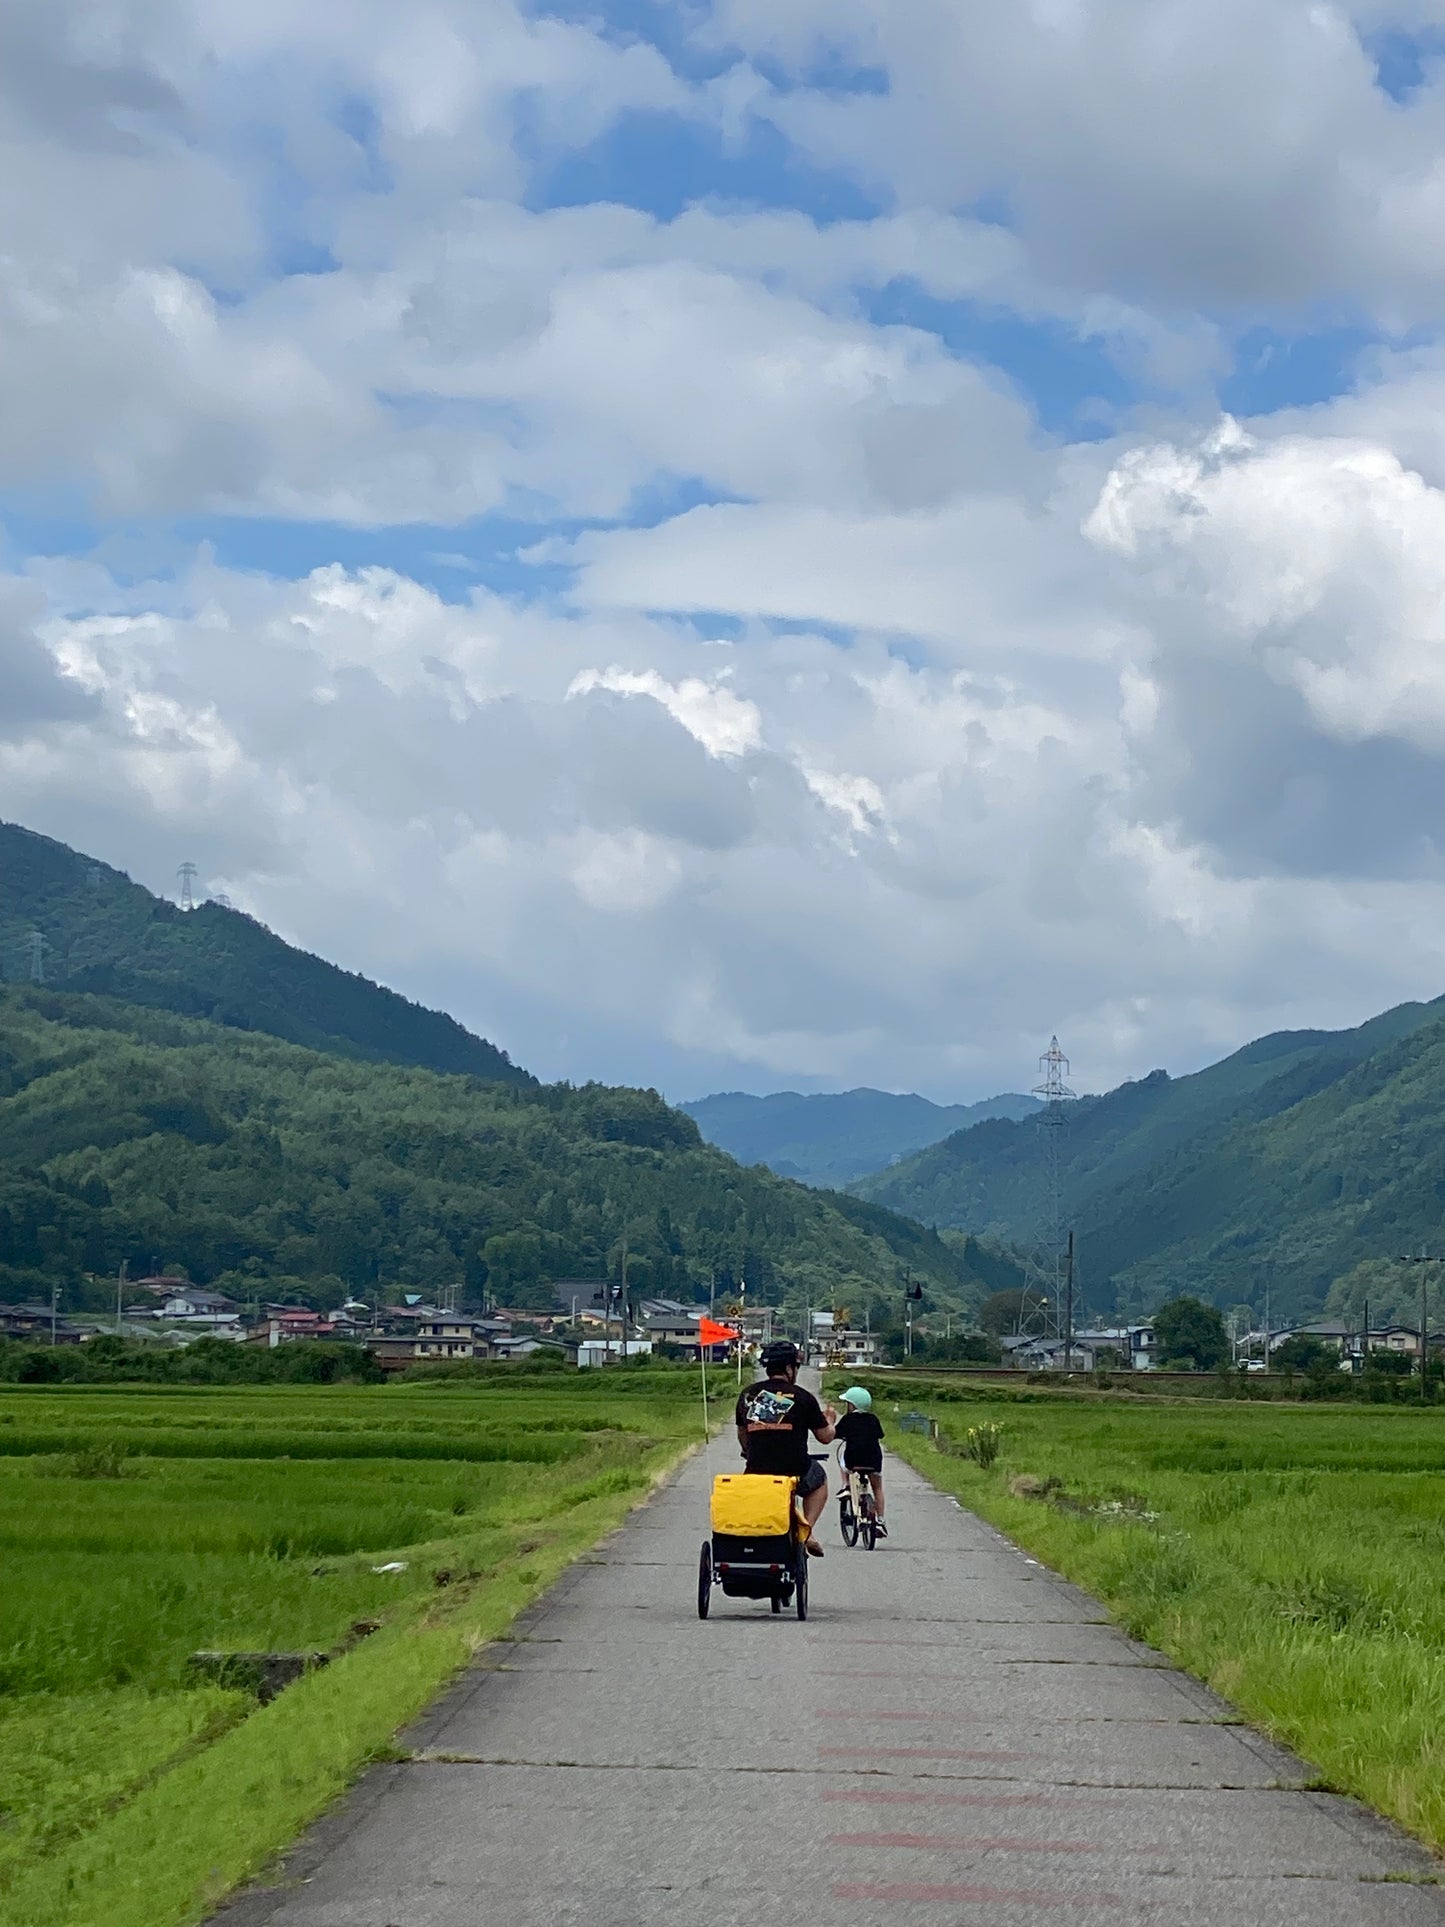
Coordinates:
(868,1531)
(847,1521)
(800,1597)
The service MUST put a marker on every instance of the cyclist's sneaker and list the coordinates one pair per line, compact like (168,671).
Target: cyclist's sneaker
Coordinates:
(880,1529)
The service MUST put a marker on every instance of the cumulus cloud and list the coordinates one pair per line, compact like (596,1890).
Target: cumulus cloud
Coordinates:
(851,726)
(794,855)
(1238,155)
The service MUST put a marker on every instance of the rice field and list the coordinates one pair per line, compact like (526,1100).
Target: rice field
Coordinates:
(1292,1556)
(138,1527)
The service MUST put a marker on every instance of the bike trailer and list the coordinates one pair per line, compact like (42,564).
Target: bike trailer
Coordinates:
(752,1504)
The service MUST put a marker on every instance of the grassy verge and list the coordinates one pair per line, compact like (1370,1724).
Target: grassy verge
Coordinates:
(135,1797)
(1290,1557)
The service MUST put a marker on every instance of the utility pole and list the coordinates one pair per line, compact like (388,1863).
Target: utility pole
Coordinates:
(617,1295)
(36,946)
(910,1293)
(186,876)
(742,1321)
(54,1311)
(1069,1313)
(119,1292)
(1422,1260)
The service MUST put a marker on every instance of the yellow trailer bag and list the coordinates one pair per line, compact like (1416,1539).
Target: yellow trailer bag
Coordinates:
(752,1505)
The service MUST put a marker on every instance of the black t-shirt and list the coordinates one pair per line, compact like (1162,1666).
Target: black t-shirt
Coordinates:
(862,1437)
(777,1417)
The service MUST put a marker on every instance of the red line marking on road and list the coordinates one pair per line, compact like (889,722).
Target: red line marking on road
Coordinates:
(897,1797)
(960,1843)
(916,1753)
(929,1890)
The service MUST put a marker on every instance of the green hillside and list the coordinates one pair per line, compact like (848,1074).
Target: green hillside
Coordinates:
(1161,1176)
(105,934)
(833,1138)
(136,1135)
(1351,1177)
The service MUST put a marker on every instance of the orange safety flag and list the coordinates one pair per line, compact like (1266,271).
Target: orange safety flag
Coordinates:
(710,1332)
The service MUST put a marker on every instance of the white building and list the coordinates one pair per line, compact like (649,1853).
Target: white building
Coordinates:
(598,1351)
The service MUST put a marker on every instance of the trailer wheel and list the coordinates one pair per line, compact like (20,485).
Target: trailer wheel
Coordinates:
(704,1579)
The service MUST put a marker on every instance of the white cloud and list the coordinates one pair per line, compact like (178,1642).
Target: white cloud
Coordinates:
(825,863)
(723,723)
(1138,740)
(1321,560)
(1233,156)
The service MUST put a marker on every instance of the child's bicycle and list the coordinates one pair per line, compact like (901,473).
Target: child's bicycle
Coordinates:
(857,1514)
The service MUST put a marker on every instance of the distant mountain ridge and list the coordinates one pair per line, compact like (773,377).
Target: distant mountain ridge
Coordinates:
(155,1109)
(136,1136)
(1275,1162)
(833,1138)
(104,934)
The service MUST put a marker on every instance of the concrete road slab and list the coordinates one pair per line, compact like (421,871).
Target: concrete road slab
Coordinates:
(954,1737)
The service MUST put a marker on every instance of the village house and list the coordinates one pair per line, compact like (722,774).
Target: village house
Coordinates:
(1134,1345)
(285,1324)
(192,1305)
(669,1323)
(416,1334)
(599,1351)
(848,1347)
(1352,1345)
(160,1284)
(36,1325)
(453,1334)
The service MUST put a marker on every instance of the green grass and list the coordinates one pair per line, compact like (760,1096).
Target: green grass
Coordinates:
(139,1527)
(1290,1556)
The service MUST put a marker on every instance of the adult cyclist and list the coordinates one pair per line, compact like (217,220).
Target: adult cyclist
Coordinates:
(775,1417)
(862,1436)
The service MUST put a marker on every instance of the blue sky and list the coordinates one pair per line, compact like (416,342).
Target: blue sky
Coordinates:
(744,545)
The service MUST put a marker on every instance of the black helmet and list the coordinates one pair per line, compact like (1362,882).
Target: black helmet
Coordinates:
(781,1355)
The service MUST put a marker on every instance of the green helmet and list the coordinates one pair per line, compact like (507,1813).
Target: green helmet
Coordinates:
(860,1400)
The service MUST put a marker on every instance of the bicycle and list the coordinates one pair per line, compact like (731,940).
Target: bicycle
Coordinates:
(857,1513)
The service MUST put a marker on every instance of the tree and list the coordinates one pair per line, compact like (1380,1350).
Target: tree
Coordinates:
(964,1348)
(1003,1311)
(1190,1334)
(1301,1353)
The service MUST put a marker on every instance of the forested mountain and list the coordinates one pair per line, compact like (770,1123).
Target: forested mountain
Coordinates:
(100,932)
(1297,1158)
(834,1138)
(266,1169)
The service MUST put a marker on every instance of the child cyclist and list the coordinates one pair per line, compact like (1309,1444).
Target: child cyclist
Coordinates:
(862,1437)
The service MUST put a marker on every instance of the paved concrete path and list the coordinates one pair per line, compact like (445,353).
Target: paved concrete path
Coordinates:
(955,1736)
